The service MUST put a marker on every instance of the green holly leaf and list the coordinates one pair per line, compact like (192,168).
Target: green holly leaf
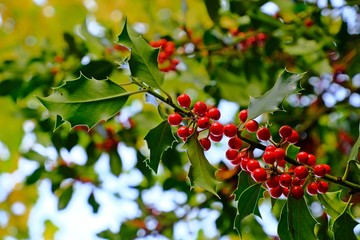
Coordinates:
(85,101)
(158,139)
(283,226)
(201,173)
(292,151)
(332,203)
(354,154)
(143,61)
(248,204)
(300,222)
(344,227)
(270,101)
(244,181)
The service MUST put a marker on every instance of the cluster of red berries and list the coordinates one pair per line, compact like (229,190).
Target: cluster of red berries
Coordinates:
(272,169)
(166,59)
(250,39)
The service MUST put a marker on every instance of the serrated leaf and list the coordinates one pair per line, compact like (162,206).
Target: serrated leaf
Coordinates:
(201,172)
(244,181)
(158,139)
(98,69)
(248,204)
(332,203)
(65,197)
(93,203)
(301,223)
(344,227)
(115,163)
(354,171)
(143,61)
(354,154)
(270,101)
(283,226)
(85,101)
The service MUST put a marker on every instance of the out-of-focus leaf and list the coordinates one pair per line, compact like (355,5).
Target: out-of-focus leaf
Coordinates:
(108,234)
(248,204)
(143,61)
(213,7)
(354,154)
(270,101)
(99,69)
(115,163)
(35,176)
(201,172)
(301,224)
(344,227)
(303,47)
(93,203)
(50,230)
(65,197)
(158,139)
(332,203)
(85,101)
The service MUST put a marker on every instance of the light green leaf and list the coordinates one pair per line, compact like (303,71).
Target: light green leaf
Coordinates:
(354,154)
(85,101)
(292,151)
(270,101)
(143,61)
(344,227)
(158,139)
(332,203)
(201,172)
(248,204)
(301,223)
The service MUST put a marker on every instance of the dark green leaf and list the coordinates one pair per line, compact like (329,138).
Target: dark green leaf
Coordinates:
(248,204)
(98,69)
(115,163)
(301,223)
(283,226)
(35,176)
(344,227)
(354,171)
(158,139)
(213,7)
(65,197)
(93,203)
(332,203)
(85,101)
(270,101)
(143,61)
(201,173)
(244,181)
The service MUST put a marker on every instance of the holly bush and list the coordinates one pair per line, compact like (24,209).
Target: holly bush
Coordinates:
(234,105)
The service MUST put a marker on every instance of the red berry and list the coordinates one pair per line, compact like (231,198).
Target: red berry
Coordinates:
(237,160)
(272,182)
(203,122)
(312,188)
(285,180)
(297,192)
(279,153)
(263,134)
(294,137)
(243,114)
(184,100)
(174,119)
(328,168)
(200,108)
(213,113)
(276,192)
(230,130)
(231,154)
(323,187)
(269,157)
(285,131)
(286,191)
(252,165)
(183,132)
(216,129)
(302,157)
(259,175)
(270,148)
(281,163)
(296,181)
(301,172)
(205,143)
(252,125)
(244,163)
(235,143)
(215,138)
(311,160)
(319,170)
